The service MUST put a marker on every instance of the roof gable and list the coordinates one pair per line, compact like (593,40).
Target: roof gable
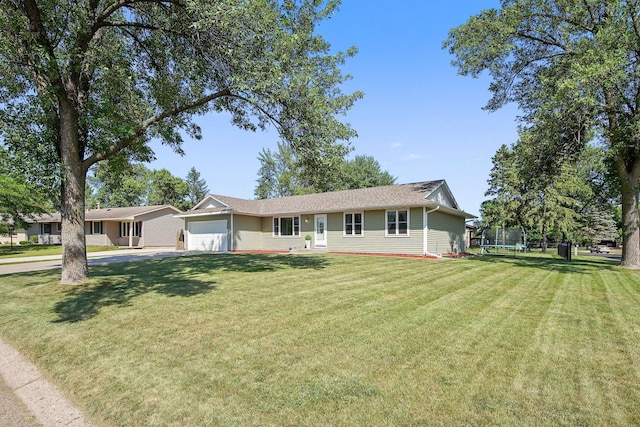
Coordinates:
(442,195)
(209,202)
(131,213)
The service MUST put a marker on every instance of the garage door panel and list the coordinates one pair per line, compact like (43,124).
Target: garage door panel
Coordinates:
(208,236)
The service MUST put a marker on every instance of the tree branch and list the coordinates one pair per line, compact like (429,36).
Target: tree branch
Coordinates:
(144,126)
(37,29)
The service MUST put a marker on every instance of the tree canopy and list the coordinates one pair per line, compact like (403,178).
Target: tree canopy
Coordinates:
(570,203)
(83,81)
(573,69)
(197,187)
(282,174)
(136,185)
(20,199)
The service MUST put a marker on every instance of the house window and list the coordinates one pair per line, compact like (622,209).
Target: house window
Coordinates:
(45,228)
(96,227)
(286,226)
(126,227)
(397,223)
(59,227)
(353,224)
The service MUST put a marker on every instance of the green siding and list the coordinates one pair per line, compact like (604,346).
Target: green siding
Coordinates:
(373,239)
(284,243)
(247,233)
(444,229)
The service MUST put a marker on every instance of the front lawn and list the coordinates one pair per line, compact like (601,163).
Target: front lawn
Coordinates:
(337,340)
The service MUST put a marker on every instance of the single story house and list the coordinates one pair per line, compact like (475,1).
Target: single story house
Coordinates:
(422,218)
(138,226)
(17,235)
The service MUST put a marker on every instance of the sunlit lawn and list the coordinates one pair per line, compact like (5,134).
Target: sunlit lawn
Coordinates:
(337,340)
(18,251)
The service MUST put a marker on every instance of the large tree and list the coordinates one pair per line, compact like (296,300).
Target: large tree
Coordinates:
(166,189)
(283,174)
(89,79)
(572,202)
(573,67)
(113,184)
(197,187)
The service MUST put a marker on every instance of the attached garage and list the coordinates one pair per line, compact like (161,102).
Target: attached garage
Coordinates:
(207,236)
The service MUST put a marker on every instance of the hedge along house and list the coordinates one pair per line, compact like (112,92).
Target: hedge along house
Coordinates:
(137,226)
(414,219)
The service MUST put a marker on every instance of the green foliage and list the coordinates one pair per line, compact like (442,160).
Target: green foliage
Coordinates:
(118,184)
(283,174)
(167,189)
(278,175)
(569,203)
(197,187)
(87,80)
(572,69)
(362,172)
(20,199)
(505,189)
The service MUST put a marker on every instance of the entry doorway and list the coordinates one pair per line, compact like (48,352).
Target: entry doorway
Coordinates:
(321,231)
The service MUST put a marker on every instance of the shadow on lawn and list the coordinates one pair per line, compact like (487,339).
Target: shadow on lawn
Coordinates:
(118,284)
(580,265)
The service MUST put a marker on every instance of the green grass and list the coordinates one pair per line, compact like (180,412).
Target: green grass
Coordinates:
(337,340)
(6,251)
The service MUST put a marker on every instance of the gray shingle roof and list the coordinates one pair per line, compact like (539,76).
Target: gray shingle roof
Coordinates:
(113,214)
(402,195)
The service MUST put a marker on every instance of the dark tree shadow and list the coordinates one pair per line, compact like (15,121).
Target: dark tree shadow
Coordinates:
(119,284)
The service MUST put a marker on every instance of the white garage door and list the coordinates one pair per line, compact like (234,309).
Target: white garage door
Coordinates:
(207,236)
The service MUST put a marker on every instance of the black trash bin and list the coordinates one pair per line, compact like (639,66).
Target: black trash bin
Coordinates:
(564,250)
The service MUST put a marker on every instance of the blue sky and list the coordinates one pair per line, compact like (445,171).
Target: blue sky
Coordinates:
(419,119)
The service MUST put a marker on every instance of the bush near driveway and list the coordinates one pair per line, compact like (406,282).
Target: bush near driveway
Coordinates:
(337,340)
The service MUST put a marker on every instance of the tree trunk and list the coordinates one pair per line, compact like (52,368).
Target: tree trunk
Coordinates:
(630,230)
(74,249)
(629,182)
(544,228)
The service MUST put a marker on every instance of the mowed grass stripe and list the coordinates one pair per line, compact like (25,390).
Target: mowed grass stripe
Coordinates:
(337,340)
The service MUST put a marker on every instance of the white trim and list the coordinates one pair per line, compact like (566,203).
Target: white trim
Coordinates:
(386,224)
(325,232)
(207,197)
(293,226)
(190,215)
(344,225)
(230,245)
(425,232)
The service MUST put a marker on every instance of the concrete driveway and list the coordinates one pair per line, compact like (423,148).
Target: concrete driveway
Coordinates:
(50,262)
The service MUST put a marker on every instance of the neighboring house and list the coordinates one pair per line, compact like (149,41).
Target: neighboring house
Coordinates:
(17,235)
(472,240)
(416,219)
(139,226)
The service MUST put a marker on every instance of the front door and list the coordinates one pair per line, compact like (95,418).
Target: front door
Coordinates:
(321,231)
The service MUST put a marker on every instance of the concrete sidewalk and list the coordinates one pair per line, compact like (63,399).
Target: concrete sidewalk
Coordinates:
(27,399)
(49,262)
(90,255)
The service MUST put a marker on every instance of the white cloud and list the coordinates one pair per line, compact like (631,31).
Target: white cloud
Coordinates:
(411,157)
